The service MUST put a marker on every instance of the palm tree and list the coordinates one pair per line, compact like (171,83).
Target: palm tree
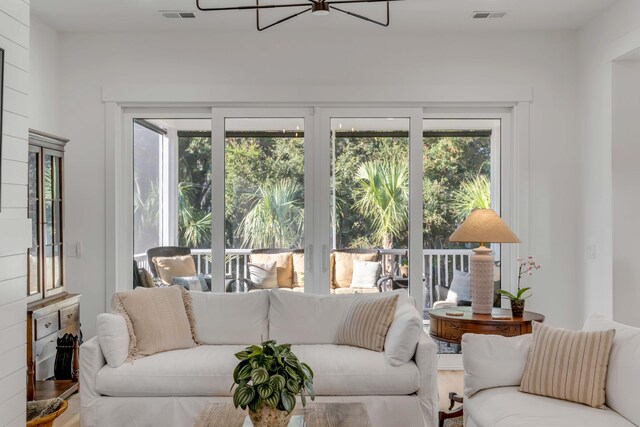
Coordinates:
(473,194)
(382,196)
(194,225)
(276,218)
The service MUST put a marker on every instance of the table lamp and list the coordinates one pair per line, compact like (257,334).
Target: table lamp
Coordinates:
(483,226)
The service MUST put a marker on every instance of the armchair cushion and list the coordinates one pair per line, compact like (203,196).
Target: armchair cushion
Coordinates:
(170,267)
(343,270)
(284,266)
(493,361)
(298,269)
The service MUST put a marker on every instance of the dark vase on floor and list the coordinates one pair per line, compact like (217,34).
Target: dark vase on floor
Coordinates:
(517,308)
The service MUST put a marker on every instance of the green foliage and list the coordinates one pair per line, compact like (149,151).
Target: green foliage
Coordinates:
(473,194)
(276,219)
(517,297)
(270,374)
(382,197)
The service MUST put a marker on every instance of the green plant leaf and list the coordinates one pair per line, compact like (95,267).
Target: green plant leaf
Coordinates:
(255,405)
(506,294)
(293,386)
(292,372)
(303,398)
(244,372)
(243,396)
(243,355)
(273,400)
(308,372)
(259,375)
(264,390)
(308,385)
(288,400)
(521,292)
(277,382)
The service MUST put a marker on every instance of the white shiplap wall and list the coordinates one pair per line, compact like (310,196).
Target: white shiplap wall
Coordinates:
(15,234)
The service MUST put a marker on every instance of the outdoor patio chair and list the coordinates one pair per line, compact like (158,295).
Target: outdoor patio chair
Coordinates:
(341,270)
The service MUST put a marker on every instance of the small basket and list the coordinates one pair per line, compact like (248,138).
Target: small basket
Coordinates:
(47,420)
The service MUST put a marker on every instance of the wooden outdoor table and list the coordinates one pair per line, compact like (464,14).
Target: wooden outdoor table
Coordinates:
(315,415)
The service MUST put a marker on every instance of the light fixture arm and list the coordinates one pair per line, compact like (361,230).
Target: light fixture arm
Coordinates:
(277,22)
(364,18)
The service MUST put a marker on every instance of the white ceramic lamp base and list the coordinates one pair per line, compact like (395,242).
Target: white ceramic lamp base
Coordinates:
(482,274)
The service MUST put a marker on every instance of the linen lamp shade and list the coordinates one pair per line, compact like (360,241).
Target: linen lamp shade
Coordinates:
(483,226)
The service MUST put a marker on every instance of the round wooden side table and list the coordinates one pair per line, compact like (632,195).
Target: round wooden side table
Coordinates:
(450,324)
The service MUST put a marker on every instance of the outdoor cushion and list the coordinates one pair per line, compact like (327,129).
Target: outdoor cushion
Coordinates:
(192,283)
(507,407)
(353,291)
(365,274)
(460,289)
(207,371)
(263,276)
(298,269)
(169,267)
(284,265)
(233,318)
(344,266)
(624,369)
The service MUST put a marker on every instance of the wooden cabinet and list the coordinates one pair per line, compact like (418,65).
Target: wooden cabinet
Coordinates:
(47,320)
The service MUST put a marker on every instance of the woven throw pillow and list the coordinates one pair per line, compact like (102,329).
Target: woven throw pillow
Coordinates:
(367,322)
(365,274)
(172,266)
(158,319)
(568,365)
(263,276)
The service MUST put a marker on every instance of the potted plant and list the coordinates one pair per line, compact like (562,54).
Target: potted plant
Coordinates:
(267,380)
(525,266)
(404,267)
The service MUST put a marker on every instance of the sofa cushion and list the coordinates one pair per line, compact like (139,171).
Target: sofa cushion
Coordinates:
(367,322)
(206,370)
(113,337)
(403,335)
(493,361)
(294,316)
(624,369)
(351,371)
(284,266)
(507,407)
(233,318)
(557,366)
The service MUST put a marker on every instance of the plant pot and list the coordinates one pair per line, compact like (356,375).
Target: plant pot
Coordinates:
(404,270)
(267,416)
(517,307)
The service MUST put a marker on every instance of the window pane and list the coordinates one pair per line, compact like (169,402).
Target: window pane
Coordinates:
(460,174)
(57,267)
(33,271)
(48,222)
(33,214)
(264,193)
(370,196)
(48,268)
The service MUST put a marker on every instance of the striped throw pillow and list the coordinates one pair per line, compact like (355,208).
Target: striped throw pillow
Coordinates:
(367,322)
(568,365)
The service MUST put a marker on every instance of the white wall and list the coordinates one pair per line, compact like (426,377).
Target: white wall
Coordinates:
(546,62)
(15,235)
(44,79)
(626,198)
(612,33)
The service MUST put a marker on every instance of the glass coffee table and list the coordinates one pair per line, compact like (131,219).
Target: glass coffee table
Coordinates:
(315,415)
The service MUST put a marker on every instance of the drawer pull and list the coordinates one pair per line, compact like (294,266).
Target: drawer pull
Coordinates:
(69,316)
(46,325)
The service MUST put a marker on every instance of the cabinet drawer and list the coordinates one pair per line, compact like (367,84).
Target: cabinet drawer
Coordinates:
(45,369)
(45,347)
(46,325)
(69,315)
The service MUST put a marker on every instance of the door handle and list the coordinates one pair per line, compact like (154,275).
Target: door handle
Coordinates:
(309,258)
(325,258)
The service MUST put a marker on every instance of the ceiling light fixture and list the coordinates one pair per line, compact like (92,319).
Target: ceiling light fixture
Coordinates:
(316,7)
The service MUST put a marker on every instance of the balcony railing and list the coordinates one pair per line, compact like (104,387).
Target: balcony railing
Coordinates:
(439,265)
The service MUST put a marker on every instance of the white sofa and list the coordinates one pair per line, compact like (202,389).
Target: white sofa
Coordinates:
(494,367)
(172,388)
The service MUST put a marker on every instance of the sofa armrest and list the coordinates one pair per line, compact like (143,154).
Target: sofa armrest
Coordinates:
(426,358)
(91,361)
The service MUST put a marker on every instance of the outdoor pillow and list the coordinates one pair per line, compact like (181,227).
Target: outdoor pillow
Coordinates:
(284,266)
(367,322)
(113,338)
(460,289)
(343,269)
(298,269)
(365,274)
(170,267)
(568,365)
(192,283)
(403,335)
(263,276)
(493,361)
(158,319)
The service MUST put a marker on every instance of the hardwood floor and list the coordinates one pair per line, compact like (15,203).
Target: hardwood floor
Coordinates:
(448,381)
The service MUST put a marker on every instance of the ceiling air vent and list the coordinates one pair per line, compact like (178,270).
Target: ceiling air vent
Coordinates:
(176,14)
(485,15)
